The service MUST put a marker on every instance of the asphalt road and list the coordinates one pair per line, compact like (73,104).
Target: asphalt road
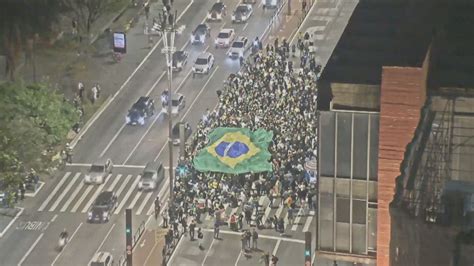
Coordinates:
(63,202)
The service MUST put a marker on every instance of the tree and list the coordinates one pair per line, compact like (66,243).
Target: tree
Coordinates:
(21,21)
(34,120)
(87,11)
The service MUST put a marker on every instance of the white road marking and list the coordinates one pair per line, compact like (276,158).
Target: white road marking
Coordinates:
(12,221)
(227,232)
(304,20)
(307,223)
(30,249)
(65,246)
(54,218)
(109,102)
(73,195)
(207,253)
(199,94)
(115,165)
(297,220)
(135,199)
(267,212)
(81,199)
(173,254)
(246,24)
(114,183)
(142,206)
(164,190)
(129,192)
(112,140)
(238,258)
(280,209)
(50,197)
(96,194)
(105,238)
(65,191)
(32,195)
(119,191)
(275,249)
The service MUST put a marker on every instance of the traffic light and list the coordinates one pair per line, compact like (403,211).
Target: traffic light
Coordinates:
(307,247)
(128,235)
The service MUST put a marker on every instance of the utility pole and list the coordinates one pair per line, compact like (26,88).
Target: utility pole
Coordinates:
(168,30)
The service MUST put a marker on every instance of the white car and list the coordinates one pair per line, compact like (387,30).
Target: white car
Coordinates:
(98,171)
(177,103)
(238,47)
(203,64)
(225,38)
(242,13)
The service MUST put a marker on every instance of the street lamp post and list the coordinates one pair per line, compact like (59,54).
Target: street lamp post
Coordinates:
(168,27)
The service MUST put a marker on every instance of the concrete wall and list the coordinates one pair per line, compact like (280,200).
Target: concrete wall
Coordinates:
(355,96)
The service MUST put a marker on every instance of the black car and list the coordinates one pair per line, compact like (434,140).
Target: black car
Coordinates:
(180,58)
(141,110)
(217,12)
(200,34)
(175,133)
(102,207)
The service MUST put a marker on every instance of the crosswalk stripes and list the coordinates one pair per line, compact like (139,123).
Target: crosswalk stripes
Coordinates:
(96,194)
(50,197)
(127,195)
(82,198)
(134,201)
(119,191)
(65,191)
(114,183)
(297,220)
(147,197)
(307,223)
(72,197)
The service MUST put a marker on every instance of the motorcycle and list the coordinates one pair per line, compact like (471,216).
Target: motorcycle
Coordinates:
(62,243)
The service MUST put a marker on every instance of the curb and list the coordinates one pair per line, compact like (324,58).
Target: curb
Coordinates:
(12,221)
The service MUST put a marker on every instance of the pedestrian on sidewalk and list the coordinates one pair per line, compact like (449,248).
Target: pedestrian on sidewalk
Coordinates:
(200,237)
(147,9)
(243,242)
(281,225)
(165,217)
(95,94)
(248,216)
(240,221)
(274,260)
(74,27)
(216,230)
(192,227)
(303,7)
(254,239)
(157,207)
(248,236)
(80,90)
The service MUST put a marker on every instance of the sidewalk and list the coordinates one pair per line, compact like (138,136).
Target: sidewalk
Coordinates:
(149,250)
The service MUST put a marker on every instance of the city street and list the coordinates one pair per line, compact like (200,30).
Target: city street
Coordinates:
(64,201)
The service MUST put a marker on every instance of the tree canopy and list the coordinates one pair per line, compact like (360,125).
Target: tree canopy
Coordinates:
(34,119)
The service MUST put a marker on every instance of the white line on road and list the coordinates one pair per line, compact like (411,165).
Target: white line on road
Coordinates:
(275,249)
(238,258)
(30,249)
(56,189)
(96,194)
(176,249)
(297,220)
(106,105)
(105,238)
(135,199)
(54,218)
(119,191)
(227,232)
(115,165)
(164,190)
(207,253)
(246,24)
(114,183)
(32,195)
(142,206)
(112,140)
(65,191)
(199,94)
(12,221)
(65,246)
(71,198)
(129,192)
(307,223)
(82,198)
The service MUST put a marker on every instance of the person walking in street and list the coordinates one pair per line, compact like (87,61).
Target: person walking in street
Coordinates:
(157,207)
(192,227)
(248,236)
(290,216)
(216,230)
(200,237)
(303,7)
(165,217)
(274,260)
(243,241)
(281,226)
(254,239)
(248,216)
(80,90)
(95,94)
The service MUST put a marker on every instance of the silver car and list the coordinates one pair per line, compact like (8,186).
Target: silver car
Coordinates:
(203,64)
(98,171)
(177,104)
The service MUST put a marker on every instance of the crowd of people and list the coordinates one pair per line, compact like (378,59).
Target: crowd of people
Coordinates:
(268,93)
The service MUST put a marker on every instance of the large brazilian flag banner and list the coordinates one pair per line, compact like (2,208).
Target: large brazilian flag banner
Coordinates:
(235,151)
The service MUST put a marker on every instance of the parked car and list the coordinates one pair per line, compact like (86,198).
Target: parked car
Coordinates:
(175,132)
(98,171)
(217,12)
(152,175)
(225,38)
(177,104)
(180,59)
(270,3)
(203,64)
(200,34)
(142,109)
(102,208)
(238,47)
(242,13)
